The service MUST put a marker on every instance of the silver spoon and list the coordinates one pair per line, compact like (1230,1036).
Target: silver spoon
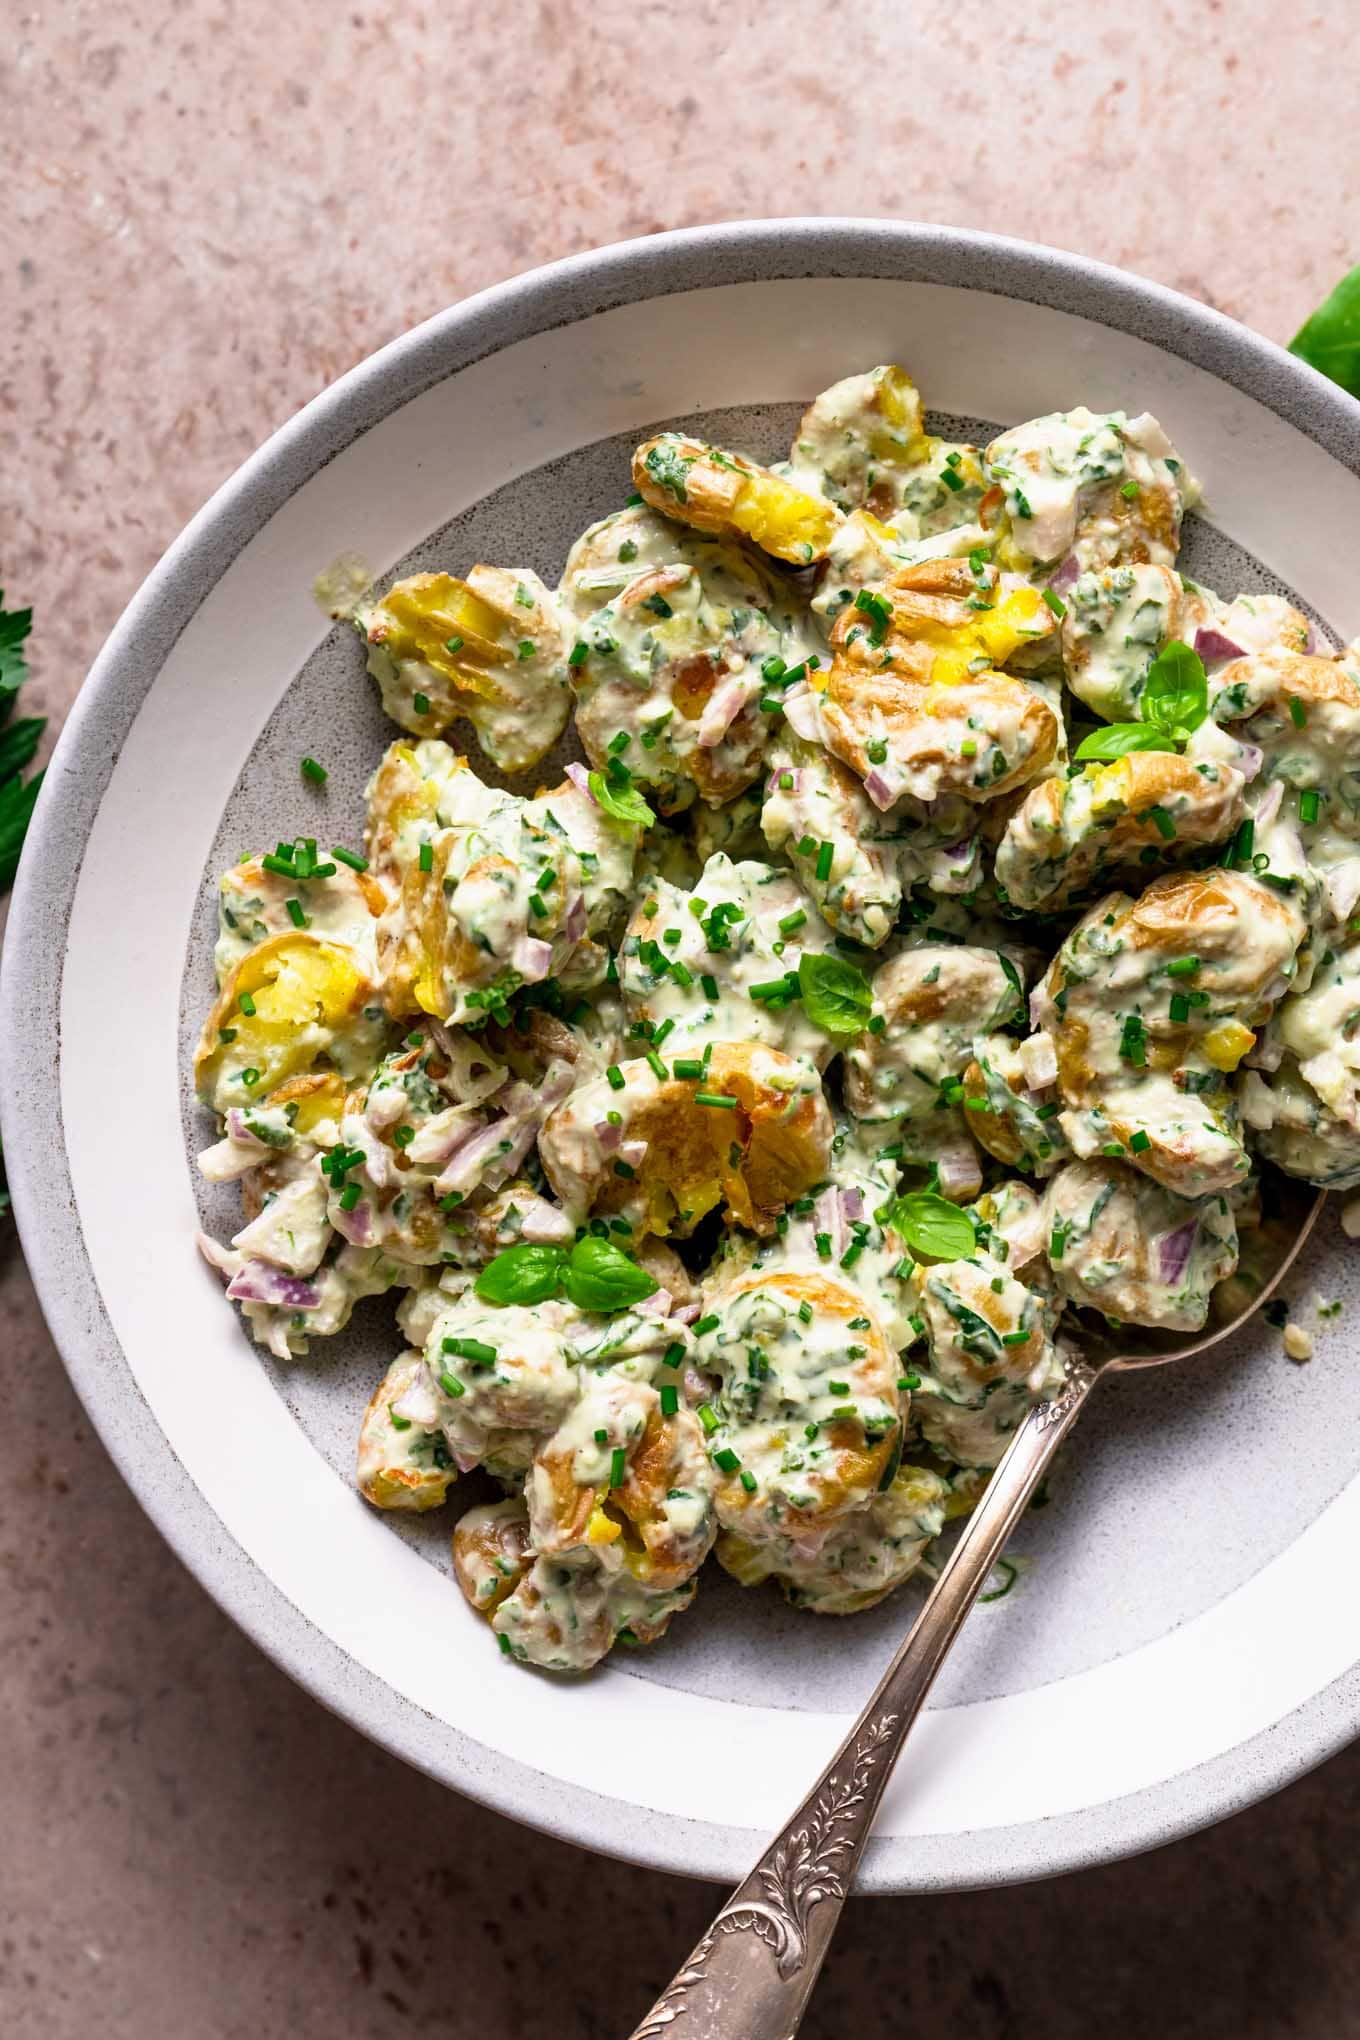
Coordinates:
(751,1975)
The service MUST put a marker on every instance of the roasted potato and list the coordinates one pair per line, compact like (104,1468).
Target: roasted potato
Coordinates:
(492,649)
(1121,1244)
(682,1157)
(732,497)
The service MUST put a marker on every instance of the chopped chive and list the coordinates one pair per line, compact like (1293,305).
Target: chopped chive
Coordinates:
(1308,806)
(1129,492)
(656,1066)
(1015,1338)
(453,644)
(616,1077)
(295,913)
(1183,966)
(726,1460)
(707,1324)
(708,1417)
(1162,822)
(426,857)
(717,1099)
(710,985)
(689,1068)
(805,1313)
(451,1385)
(1140,1142)
(350,857)
(618,1460)
(421,703)
(578,653)
(1298,714)
(1054,602)
(748,1480)
(666,1027)
(670,1399)
(246,1003)
(791,923)
(822,1241)
(825,854)
(1180,1008)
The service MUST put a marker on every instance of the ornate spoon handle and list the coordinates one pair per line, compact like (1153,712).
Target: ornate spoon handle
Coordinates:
(751,1975)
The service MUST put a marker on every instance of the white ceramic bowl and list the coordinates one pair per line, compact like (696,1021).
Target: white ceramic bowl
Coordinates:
(1183,1635)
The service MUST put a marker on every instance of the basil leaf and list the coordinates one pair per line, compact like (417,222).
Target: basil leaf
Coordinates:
(1117,739)
(524,1274)
(836,995)
(600,1277)
(930,1224)
(1330,340)
(1175,696)
(624,803)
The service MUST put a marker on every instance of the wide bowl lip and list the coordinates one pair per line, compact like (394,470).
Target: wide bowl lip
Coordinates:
(33,967)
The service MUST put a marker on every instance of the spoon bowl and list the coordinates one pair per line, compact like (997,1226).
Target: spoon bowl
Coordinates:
(754,1970)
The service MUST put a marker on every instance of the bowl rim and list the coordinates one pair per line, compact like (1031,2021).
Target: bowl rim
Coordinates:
(32,970)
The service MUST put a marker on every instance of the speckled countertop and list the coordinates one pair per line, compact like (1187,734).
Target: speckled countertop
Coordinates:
(211,211)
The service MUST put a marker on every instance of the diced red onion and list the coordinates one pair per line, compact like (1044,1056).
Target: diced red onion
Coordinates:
(959,1172)
(721,710)
(1067,573)
(881,790)
(223,1259)
(1212,644)
(464,1461)
(852,1203)
(607,1136)
(1267,1054)
(226,1161)
(241,1133)
(575,923)
(472,1074)
(464,1170)
(776,785)
(1174,1249)
(543,1224)
(532,959)
(658,1304)
(356,1226)
(1039,1061)
(803,714)
(377,1157)
(1343,888)
(1249,760)
(960,852)
(634,1153)
(580,779)
(826,1218)
(417,1403)
(261,1282)
(687,1313)
(1269,808)
(442,1136)
(386,1105)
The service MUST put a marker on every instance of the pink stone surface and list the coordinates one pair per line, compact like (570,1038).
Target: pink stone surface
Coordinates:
(211,210)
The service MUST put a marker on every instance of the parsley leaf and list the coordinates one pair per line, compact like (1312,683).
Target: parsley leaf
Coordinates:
(1329,341)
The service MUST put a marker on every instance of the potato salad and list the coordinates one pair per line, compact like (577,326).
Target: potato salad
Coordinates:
(944,910)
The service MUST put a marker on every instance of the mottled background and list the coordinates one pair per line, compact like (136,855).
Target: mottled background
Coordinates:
(211,209)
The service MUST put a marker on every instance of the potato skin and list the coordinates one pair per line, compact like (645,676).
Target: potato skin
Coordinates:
(1071,835)
(754,1158)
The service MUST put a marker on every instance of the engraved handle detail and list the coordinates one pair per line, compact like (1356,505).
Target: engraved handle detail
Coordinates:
(751,1975)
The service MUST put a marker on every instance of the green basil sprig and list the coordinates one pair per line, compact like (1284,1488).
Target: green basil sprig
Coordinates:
(1173,704)
(1329,341)
(836,995)
(623,803)
(596,1275)
(932,1226)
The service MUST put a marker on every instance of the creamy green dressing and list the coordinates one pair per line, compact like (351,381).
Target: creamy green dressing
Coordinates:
(795,952)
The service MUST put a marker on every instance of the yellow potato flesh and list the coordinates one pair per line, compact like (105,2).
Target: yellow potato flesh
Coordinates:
(296,983)
(428,613)
(783,520)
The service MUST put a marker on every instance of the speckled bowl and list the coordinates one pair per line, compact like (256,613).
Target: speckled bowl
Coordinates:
(1183,1634)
